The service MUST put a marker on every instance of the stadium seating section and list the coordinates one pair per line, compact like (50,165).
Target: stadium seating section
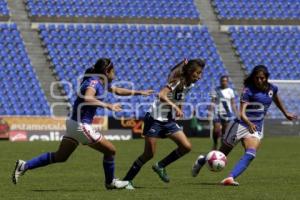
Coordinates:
(278,48)
(174,9)
(141,54)
(3,8)
(20,92)
(257,9)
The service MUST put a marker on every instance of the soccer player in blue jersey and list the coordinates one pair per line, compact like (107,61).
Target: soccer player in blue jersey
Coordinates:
(160,121)
(257,96)
(223,107)
(79,128)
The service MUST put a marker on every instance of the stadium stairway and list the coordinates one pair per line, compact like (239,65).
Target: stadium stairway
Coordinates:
(36,55)
(223,43)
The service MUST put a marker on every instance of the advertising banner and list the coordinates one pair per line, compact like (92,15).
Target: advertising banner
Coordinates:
(192,128)
(39,128)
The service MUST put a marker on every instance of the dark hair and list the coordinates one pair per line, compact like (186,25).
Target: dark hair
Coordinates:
(184,68)
(224,76)
(249,80)
(102,66)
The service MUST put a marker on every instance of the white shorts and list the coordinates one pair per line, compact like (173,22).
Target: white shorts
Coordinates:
(235,132)
(81,132)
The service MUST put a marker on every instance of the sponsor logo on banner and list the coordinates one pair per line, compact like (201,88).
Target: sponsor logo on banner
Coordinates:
(45,136)
(18,136)
(39,128)
(4,128)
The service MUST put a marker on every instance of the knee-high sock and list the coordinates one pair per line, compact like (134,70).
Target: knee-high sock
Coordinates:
(242,165)
(40,161)
(173,156)
(134,169)
(109,168)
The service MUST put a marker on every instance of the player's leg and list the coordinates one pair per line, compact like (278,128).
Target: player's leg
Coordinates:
(108,149)
(66,148)
(184,146)
(149,151)
(217,130)
(251,144)
(228,142)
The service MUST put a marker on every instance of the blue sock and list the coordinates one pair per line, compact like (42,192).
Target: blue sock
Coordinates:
(40,161)
(109,168)
(173,156)
(242,165)
(134,170)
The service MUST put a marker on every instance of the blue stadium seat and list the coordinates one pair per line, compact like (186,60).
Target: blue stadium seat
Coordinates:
(165,9)
(141,54)
(4,11)
(20,89)
(258,9)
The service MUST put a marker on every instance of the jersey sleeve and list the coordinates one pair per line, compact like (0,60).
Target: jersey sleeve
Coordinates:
(246,95)
(173,85)
(275,89)
(94,84)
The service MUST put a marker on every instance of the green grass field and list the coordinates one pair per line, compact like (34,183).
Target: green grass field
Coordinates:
(274,174)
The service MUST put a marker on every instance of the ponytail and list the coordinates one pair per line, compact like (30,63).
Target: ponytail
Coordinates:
(102,66)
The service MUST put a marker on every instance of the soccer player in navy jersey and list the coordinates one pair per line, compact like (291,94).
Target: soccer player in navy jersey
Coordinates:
(257,96)
(160,121)
(96,81)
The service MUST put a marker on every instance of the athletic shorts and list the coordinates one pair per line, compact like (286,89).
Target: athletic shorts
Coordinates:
(155,128)
(219,118)
(235,132)
(82,132)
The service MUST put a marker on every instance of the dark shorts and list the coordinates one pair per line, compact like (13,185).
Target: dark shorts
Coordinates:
(155,128)
(218,118)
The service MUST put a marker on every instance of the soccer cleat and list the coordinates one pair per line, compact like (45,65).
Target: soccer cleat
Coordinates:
(196,167)
(229,181)
(116,184)
(18,171)
(130,186)
(162,173)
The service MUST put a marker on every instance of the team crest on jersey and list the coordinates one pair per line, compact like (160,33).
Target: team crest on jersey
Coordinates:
(271,93)
(93,83)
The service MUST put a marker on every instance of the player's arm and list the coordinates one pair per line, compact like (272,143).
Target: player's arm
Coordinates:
(126,92)
(281,107)
(89,97)
(244,118)
(163,96)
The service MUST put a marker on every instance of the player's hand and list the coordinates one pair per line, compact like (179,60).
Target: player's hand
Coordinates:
(115,107)
(291,116)
(146,92)
(252,128)
(179,113)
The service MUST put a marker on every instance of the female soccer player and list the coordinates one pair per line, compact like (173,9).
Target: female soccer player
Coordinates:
(79,129)
(256,99)
(223,105)
(160,122)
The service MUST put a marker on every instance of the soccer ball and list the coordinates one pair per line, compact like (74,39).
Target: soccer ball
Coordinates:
(216,161)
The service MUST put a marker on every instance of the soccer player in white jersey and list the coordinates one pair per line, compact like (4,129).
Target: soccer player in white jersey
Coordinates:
(223,107)
(256,99)
(160,121)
